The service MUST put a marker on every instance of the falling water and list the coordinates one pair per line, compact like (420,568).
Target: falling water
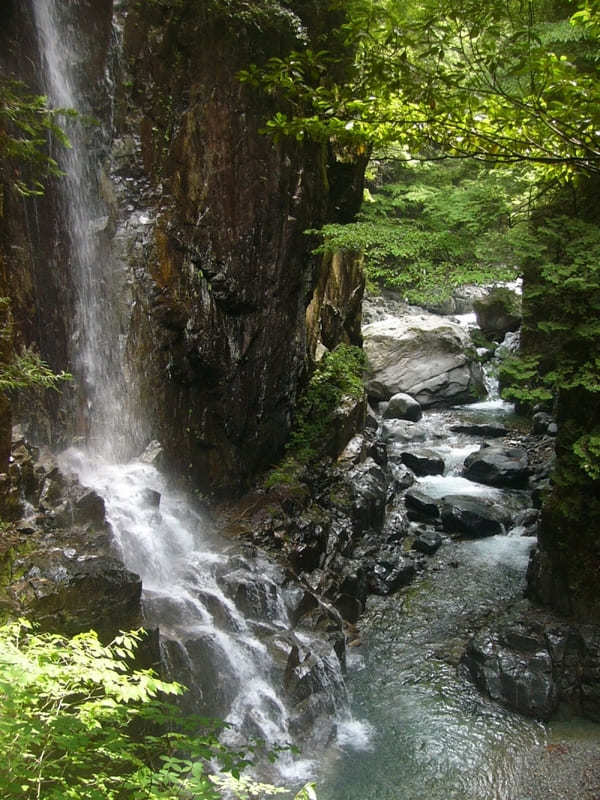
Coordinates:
(225,616)
(96,279)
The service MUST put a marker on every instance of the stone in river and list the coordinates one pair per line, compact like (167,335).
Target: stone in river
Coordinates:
(423,462)
(474,517)
(496,465)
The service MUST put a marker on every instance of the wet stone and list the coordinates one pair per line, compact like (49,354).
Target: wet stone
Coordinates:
(424,462)
(428,542)
(420,505)
(495,465)
(403,406)
(473,517)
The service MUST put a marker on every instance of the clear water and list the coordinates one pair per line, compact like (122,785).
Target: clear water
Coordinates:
(433,736)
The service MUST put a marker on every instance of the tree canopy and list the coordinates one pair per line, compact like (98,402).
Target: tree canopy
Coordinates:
(497,81)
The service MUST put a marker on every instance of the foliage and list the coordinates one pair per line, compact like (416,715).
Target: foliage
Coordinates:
(562,328)
(338,374)
(76,722)
(500,81)
(23,370)
(522,381)
(587,451)
(26,121)
(436,227)
(28,370)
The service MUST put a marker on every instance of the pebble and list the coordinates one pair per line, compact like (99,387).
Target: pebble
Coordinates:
(561,770)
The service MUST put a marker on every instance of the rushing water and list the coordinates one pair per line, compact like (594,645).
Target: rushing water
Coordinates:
(433,735)
(224,615)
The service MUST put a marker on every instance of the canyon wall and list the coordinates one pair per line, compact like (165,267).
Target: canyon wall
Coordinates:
(204,222)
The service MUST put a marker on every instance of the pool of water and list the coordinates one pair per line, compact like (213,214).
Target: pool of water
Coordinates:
(432,736)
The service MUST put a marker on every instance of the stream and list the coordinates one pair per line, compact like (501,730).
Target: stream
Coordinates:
(433,734)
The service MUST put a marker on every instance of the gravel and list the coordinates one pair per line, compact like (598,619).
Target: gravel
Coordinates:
(564,769)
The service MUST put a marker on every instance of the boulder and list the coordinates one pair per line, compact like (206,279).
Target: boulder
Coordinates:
(420,505)
(498,312)
(424,462)
(533,661)
(403,406)
(473,517)
(515,670)
(428,542)
(496,465)
(424,356)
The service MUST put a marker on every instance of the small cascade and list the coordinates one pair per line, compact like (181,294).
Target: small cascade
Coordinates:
(226,616)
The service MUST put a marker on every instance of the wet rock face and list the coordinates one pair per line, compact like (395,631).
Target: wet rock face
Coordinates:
(533,662)
(58,563)
(221,333)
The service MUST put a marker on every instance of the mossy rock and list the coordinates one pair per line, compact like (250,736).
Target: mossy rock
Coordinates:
(498,313)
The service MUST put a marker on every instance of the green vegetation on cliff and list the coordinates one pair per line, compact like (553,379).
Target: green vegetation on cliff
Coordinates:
(337,376)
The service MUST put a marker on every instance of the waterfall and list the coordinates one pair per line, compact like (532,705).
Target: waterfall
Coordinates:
(224,615)
(95,334)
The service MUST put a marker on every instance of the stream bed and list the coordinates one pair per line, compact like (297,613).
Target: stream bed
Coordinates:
(432,734)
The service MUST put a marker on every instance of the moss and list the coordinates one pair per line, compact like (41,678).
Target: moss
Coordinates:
(338,375)
(500,298)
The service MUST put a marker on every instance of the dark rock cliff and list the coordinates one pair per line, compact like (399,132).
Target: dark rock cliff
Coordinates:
(220,321)
(206,216)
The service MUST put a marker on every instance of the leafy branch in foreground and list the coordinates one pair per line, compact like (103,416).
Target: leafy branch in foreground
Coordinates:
(77,723)
(26,121)
(24,369)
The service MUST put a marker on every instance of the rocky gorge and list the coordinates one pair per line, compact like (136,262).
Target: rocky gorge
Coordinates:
(191,330)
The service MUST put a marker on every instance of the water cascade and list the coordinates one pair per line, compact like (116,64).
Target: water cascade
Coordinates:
(226,617)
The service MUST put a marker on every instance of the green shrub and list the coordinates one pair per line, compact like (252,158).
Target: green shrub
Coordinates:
(338,374)
(77,723)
